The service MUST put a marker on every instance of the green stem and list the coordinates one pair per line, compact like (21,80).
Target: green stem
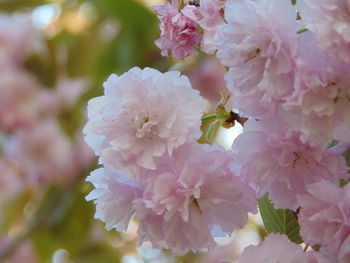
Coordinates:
(306,247)
(208,117)
(302,30)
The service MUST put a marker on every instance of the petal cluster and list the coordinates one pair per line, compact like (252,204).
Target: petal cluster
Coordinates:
(274,160)
(179,33)
(143,114)
(324,218)
(190,199)
(330,21)
(258,44)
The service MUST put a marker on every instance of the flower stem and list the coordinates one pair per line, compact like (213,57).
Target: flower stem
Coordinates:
(208,117)
(302,30)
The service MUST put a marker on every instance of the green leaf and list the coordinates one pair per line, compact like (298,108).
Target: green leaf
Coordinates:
(282,221)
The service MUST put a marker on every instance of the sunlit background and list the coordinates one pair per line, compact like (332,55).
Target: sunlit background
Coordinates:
(54,57)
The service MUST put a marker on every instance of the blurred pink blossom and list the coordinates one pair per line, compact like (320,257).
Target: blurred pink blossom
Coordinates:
(67,92)
(18,100)
(16,39)
(208,78)
(11,180)
(43,154)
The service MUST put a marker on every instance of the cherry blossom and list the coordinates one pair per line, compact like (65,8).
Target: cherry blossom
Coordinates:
(324,218)
(258,44)
(179,33)
(274,160)
(144,114)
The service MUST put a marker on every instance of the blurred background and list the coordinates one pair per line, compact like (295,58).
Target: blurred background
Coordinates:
(54,57)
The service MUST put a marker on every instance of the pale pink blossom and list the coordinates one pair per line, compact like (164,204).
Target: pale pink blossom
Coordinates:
(208,15)
(275,248)
(114,196)
(66,94)
(208,78)
(258,44)
(324,218)
(18,100)
(182,205)
(273,160)
(320,105)
(144,114)
(330,20)
(191,198)
(11,180)
(179,33)
(42,154)
(16,38)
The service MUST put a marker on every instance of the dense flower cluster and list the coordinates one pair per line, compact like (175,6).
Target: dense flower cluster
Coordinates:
(291,83)
(146,125)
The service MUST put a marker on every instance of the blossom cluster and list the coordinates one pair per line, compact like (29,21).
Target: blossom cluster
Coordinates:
(34,150)
(287,74)
(144,130)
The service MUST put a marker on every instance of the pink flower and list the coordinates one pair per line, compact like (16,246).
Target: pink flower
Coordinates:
(43,154)
(114,196)
(179,33)
(330,21)
(11,182)
(274,160)
(208,78)
(64,95)
(15,39)
(324,218)
(182,205)
(275,248)
(258,44)
(320,105)
(192,198)
(209,15)
(18,100)
(144,114)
